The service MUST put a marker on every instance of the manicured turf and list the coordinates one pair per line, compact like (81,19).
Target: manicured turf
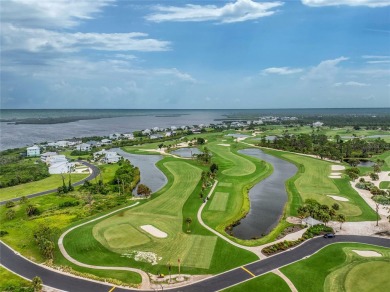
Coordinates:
(384,185)
(224,184)
(12,282)
(267,282)
(200,251)
(371,276)
(328,269)
(51,182)
(312,182)
(219,201)
(231,163)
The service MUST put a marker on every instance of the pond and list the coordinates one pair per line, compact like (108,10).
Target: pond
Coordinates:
(267,198)
(186,152)
(151,176)
(366,163)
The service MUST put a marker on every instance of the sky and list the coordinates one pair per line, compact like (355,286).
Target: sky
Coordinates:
(143,54)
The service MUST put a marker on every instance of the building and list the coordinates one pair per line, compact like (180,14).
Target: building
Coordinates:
(61,167)
(93,143)
(115,136)
(105,142)
(33,151)
(111,157)
(46,156)
(54,159)
(128,136)
(83,147)
(317,124)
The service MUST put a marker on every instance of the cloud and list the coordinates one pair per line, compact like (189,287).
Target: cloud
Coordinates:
(42,40)
(281,70)
(324,70)
(378,62)
(351,83)
(375,57)
(49,13)
(241,10)
(368,3)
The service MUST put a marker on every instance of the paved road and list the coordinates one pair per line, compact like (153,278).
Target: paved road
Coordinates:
(54,279)
(95,173)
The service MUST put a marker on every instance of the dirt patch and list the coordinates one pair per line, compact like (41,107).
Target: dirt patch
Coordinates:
(226,145)
(335,176)
(367,253)
(288,230)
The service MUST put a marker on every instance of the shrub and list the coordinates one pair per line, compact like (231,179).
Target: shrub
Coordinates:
(68,204)
(3,232)
(9,204)
(317,230)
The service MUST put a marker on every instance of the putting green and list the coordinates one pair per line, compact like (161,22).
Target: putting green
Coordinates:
(219,201)
(371,276)
(232,164)
(122,234)
(224,184)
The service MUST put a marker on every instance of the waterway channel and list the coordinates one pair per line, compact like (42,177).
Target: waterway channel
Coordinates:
(267,198)
(151,176)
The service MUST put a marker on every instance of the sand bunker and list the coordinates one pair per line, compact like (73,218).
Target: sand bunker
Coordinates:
(338,198)
(335,176)
(227,145)
(367,253)
(154,231)
(338,167)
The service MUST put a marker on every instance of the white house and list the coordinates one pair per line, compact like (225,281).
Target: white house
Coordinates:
(33,151)
(156,129)
(45,156)
(317,124)
(83,147)
(54,159)
(62,143)
(111,157)
(115,136)
(129,136)
(93,143)
(146,132)
(106,142)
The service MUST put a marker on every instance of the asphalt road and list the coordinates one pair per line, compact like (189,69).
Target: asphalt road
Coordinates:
(54,279)
(95,173)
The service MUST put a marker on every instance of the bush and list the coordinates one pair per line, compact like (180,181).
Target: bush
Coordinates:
(3,232)
(281,246)
(317,230)
(9,204)
(68,204)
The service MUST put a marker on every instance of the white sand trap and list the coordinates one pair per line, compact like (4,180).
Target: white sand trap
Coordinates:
(336,173)
(154,231)
(367,253)
(338,198)
(335,176)
(227,145)
(338,167)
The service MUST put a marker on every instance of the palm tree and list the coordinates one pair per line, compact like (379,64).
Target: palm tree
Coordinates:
(188,221)
(341,219)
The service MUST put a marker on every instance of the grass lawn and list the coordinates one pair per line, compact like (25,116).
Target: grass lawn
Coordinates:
(107,171)
(384,156)
(384,185)
(111,240)
(338,268)
(12,282)
(51,182)
(219,201)
(267,282)
(312,182)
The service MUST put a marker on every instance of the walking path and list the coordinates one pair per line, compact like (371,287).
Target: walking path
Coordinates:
(287,280)
(145,277)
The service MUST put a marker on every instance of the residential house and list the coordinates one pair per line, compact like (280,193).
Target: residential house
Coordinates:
(54,159)
(62,143)
(111,157)
(45,156)
(33,151)
(100,153)
(105,142)
(317,124)
(83,147)
(93,143)
(129,136)
(146,132)
(61,167)
(115,136)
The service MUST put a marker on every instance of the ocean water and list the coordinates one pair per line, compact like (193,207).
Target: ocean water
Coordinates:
(82,123)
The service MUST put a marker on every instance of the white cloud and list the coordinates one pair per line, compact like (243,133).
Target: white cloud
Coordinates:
(42,40)
(351,83)
(50,13)
(378,62)
(325,70)
(241,10)
(375,57)
(281,70)
(368,3)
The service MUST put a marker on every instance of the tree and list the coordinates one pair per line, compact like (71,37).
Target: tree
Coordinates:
(23,200)
(374,176)
(44,236)
(143,190)
(341,219)
(213,168)
(335,206)
(376,168)
(188,221)
(37,284)
(200,141)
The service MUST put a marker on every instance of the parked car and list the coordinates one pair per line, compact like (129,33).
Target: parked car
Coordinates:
(329,235)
